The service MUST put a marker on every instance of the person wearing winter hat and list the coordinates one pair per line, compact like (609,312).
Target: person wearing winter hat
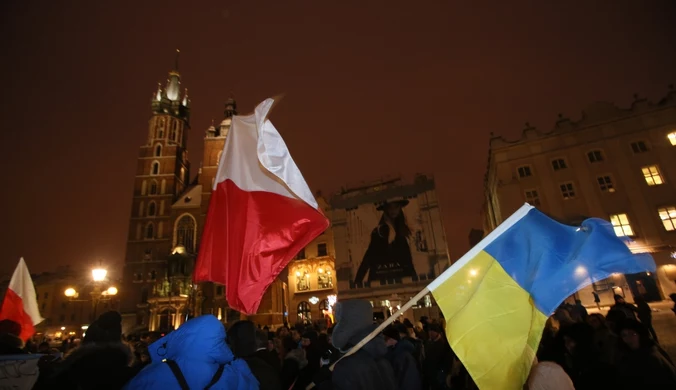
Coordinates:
(367,368)
(107,328)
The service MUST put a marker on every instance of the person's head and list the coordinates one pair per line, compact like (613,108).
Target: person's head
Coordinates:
(391,335)
(578,338)
(295,335)
(261,339)
(634,335)
(435,331)
(578,302)
(596,321)
(106,328)
(392,210)
(289,344)
(43,347)
(242,338)
(283,332)
(619,298)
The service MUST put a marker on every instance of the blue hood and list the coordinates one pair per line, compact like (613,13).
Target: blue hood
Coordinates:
(198,347)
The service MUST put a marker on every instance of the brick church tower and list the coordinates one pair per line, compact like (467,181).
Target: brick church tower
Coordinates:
(162,174)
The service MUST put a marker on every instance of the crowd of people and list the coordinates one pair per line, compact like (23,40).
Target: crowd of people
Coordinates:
(577,351)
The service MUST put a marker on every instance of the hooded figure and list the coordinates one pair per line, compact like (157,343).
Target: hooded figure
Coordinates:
(367,368)
(195,356)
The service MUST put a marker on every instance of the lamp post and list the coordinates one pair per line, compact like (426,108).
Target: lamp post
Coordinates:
(98,292)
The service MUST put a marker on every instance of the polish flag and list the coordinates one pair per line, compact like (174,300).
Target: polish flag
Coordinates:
(20,304)
(261,213)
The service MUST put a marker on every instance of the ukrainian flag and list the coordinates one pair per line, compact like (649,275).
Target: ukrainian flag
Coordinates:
(497,298)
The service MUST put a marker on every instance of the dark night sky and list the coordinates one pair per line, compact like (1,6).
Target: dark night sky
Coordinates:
(387,87)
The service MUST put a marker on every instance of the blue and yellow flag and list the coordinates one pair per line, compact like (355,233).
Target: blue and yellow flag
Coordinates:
(497,298)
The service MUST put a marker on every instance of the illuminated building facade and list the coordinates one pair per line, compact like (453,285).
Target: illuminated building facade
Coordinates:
(614,163)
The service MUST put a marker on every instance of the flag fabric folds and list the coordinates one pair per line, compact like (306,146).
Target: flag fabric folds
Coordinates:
(497,298)
(20,304)
(261,212)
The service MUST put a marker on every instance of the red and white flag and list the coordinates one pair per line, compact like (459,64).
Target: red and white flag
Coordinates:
(261,213)
(20,304)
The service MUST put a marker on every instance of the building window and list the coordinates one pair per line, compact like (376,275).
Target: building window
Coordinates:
(183,175)
(605,184)
(300,255)
(150,231)
(668,217)
(172,133)
(621,225)
(595,156)
(324,278)
(302,281)
(158,150)
(639,147)
(532,197)
(62,318)
(567,190)
(672,138)
(524,171)
(152,209)
(186,231)
(152,275)
(219,290)
(144,295)
(155,170)
(321,250)
(324,305)
(304,312)
(652,175)
(559,164)
(153,187)
(143,187)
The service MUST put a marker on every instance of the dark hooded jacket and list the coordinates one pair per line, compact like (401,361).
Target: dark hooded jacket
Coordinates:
(242,340)
(404,364)
(199,348)
(367,369)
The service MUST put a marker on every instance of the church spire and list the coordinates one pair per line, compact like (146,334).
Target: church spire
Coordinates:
(174,82)
(168,100)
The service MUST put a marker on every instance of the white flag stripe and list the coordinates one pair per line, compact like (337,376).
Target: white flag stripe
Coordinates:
(22,285)
(256,158)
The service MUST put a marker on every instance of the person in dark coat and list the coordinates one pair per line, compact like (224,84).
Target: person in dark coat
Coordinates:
(366,369)
(620,312)
(10,343)
(103,361)
(645,365)
(645,315)
(246,342)
(438,357)
(400,354)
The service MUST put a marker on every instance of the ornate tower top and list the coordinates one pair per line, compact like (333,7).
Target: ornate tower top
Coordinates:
(224,127)
(169,100)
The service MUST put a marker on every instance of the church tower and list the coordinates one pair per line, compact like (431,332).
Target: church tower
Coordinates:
(162,174)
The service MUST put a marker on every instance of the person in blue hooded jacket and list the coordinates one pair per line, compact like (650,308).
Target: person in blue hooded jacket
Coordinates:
(194,357)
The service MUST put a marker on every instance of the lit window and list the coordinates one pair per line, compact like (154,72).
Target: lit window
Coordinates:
(302,281)
(605,184)
(672,137)
(155,169)
(639,147)
(595,156)
(621,225)
(567,190)
(524,171)
(559,164)
(324,278)
(652,175)
(668,217)
(185,232)
(532,197)
(304,312)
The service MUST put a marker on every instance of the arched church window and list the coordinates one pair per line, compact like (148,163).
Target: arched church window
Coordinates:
(324,305)
(186,230)
(143,187)
(304,312)
(152,209)
(183,175)
(172,133)
(150,231)
(156,168)
(160,129)
(153,187)
(158,150)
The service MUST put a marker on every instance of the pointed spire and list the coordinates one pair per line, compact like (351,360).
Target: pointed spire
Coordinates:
(158,94)
(178,54)
(185,98)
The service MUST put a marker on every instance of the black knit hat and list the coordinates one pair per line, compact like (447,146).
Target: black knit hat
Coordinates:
(107,328)
(391,332)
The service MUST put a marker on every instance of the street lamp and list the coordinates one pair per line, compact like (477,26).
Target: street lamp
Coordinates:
(97,294)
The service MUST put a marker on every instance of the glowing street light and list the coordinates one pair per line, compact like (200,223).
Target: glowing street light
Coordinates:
(99,274)
(111,291)
(70,292)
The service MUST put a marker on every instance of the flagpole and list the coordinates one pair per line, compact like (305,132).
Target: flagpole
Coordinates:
(455,267)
